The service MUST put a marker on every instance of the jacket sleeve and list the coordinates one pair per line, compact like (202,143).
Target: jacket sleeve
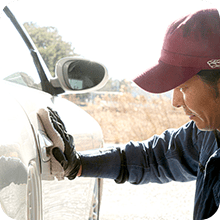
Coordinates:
(171,156)
(174,155)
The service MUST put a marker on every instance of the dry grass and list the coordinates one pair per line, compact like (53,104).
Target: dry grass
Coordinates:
(123,117)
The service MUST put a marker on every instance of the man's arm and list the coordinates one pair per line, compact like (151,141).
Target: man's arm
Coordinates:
(172,155)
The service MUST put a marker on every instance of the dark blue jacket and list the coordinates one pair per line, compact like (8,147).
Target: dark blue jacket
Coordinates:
(184,154)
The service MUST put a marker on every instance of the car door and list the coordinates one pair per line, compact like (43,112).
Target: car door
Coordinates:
(20,186)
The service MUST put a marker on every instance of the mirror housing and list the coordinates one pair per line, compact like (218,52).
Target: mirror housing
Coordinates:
(78,75)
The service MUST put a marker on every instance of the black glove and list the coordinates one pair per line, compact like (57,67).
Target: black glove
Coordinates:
(69,159)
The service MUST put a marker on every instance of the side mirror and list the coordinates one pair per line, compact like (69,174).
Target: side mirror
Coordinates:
(79,75)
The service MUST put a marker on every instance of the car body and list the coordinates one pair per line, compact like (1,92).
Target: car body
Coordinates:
(28,190)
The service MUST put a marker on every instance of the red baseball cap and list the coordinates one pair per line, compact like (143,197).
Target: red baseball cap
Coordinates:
(191,44)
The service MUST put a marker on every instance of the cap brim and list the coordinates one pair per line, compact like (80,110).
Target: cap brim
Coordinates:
(164,77)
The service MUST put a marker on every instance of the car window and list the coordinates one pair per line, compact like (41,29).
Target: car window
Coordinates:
(17,66)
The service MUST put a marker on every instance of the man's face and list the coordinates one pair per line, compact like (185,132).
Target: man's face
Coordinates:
(199,103)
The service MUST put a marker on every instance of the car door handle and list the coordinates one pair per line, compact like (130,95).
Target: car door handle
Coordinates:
(45,143)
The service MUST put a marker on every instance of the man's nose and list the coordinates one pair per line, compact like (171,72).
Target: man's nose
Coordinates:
(177,100)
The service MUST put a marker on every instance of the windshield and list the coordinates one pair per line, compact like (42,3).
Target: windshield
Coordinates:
(17,65)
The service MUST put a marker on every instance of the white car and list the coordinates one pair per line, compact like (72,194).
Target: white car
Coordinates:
(28,190)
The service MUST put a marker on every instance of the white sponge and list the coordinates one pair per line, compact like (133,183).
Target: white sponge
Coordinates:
(46,127)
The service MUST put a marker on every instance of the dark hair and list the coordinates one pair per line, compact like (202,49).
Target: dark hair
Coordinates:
(211,77)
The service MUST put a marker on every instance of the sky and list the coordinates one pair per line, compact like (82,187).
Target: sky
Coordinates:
(126,36)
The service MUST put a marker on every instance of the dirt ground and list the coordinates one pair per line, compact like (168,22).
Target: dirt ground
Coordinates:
(151,201)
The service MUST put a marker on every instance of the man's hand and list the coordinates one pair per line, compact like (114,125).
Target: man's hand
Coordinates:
(69,159)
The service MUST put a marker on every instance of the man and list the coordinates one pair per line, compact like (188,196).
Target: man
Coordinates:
(189,64)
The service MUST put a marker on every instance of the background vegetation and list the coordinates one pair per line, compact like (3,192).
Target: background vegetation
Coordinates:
(124,117)
(49,43)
